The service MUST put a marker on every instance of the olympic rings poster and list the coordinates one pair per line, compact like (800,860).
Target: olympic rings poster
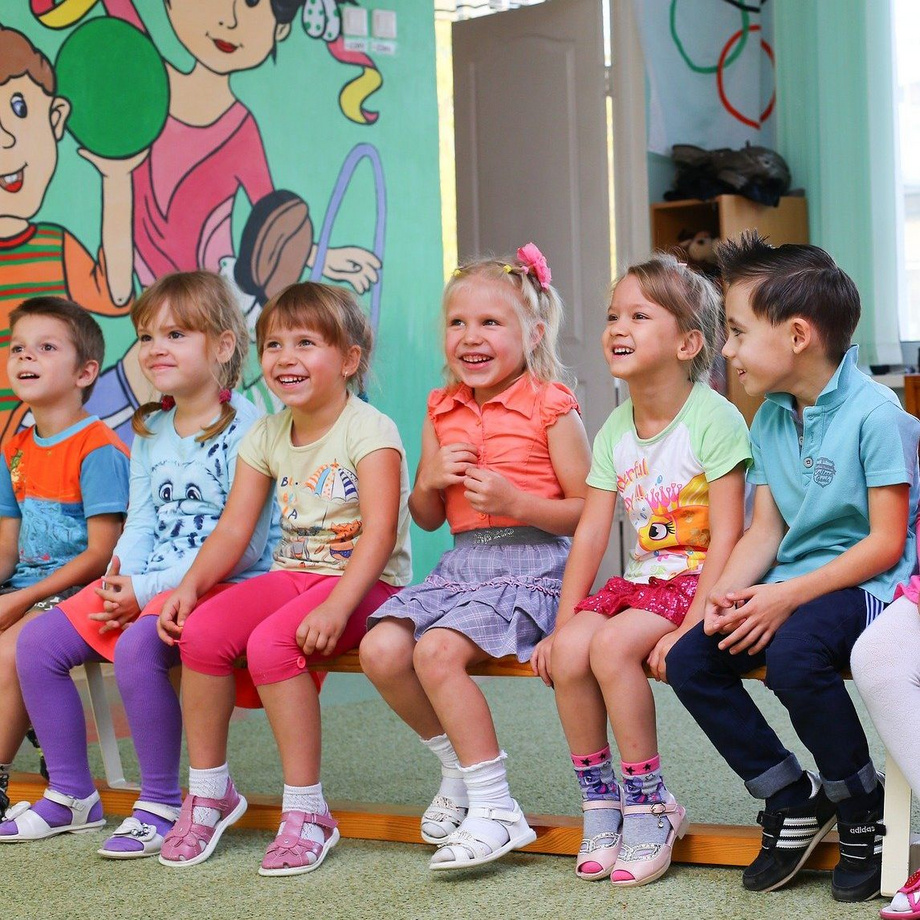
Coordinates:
(710,68)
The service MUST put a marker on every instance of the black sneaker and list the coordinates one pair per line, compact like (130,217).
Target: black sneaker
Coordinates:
(4,798)
(789,836)
(858,875)
(33,740)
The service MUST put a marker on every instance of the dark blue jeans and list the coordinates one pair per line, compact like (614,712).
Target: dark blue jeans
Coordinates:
(803,660)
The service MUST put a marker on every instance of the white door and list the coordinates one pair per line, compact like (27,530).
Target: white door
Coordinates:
(532,164)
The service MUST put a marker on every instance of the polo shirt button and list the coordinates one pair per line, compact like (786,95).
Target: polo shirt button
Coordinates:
(301,662)
(808,463)
(481,514)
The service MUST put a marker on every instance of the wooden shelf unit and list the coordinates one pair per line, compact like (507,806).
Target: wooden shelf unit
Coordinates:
(725,217)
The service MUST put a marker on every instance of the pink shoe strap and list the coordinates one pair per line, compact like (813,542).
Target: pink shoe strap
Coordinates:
(289,836)
(670,809)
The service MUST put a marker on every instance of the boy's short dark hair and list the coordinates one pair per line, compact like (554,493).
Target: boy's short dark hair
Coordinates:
(794,280)
(85,333)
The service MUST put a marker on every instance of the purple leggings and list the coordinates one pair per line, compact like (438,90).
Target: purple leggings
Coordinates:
(48,648)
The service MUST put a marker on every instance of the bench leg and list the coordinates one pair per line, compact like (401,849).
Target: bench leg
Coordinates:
(896,842)
(102,715)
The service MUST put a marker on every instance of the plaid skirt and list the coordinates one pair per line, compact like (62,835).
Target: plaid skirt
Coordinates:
(502,597)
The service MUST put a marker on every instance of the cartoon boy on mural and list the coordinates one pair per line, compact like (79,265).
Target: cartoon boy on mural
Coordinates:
(44,258)
(209,148)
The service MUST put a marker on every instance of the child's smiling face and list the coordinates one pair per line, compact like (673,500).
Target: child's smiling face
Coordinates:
(31,124)
(226,36)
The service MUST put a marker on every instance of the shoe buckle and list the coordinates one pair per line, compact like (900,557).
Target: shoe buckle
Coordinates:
(658,809)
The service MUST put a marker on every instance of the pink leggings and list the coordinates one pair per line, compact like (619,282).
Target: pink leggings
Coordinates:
(260,617)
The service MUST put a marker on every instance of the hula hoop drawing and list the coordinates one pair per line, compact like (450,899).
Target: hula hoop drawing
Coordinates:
(358,153)
(720,82)
(700,68)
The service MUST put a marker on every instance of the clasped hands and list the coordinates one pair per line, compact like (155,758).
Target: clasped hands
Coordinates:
(748,617)
(487,492)
(119,604)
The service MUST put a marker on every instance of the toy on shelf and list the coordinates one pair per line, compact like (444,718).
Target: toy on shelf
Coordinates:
(698,250)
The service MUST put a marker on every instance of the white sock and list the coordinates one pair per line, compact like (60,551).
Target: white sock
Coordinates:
(308,799)
(452,785)
(210,784)
(487,786)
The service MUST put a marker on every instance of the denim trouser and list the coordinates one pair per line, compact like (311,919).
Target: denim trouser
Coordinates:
(803,662)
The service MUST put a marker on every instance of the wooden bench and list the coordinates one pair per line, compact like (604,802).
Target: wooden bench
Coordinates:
(707,844)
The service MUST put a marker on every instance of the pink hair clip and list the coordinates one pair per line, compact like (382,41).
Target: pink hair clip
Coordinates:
(534,261)
(224,396)
(167,403)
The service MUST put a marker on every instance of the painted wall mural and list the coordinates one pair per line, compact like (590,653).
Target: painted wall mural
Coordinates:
(140,137)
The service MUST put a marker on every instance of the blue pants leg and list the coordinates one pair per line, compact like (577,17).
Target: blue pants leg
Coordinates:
(803,664)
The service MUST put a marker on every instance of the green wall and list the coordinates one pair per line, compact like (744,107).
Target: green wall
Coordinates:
(307,137)
(836,129)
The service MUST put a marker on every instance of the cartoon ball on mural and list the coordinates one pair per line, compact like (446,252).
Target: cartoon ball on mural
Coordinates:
(60,14)
(116,82)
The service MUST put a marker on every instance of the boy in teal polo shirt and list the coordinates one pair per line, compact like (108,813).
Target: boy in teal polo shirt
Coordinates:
(835,470)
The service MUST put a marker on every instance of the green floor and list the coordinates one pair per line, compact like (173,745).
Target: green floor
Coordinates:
(369,755)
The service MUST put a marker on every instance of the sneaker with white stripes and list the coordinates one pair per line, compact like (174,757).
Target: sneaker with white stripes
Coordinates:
(858,875)
(789,836)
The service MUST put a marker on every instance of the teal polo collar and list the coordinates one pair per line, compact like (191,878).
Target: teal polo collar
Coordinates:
(835,391)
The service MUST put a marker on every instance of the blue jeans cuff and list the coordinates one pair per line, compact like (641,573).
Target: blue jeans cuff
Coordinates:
(770,782)
(860,783)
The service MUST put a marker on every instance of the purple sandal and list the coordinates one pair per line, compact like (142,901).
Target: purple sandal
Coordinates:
(292,854)
(188,843)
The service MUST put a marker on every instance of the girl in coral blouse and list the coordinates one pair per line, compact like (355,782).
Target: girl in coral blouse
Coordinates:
(504,460)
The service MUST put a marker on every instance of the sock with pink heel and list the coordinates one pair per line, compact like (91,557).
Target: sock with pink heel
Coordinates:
(652,821)
(603,812)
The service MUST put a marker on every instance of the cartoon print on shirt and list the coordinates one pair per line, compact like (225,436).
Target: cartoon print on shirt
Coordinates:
(331,543)
(185,497)
(679,518)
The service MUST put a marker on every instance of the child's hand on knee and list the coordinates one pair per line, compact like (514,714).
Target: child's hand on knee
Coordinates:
(119,603)
(320,630)
(174,613)
(658,656)
(12,610)
(541,659)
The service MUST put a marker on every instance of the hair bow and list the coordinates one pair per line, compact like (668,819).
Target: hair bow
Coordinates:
(534,261)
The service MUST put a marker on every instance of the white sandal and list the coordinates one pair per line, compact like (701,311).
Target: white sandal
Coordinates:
(463,850)
(442,817)
(32,826)
(150,839)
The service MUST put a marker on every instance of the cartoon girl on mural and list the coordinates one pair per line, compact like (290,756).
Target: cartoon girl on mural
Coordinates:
(210,147)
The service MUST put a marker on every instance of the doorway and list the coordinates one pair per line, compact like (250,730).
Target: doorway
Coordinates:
(544,102)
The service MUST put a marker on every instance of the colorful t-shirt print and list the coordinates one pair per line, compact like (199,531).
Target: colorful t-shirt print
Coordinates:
(55,484)
(663,481)
(318,492)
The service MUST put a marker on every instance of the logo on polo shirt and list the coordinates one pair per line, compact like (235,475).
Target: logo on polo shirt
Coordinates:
(824,472)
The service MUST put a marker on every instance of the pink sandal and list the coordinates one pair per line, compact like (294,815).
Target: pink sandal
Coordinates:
(292,854)
(641,863)
(188,843)
(905,905)
(598,854)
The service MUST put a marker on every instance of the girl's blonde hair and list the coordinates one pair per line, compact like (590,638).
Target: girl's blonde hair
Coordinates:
(533,304)
(200,301)
(691,298)
(331,311)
